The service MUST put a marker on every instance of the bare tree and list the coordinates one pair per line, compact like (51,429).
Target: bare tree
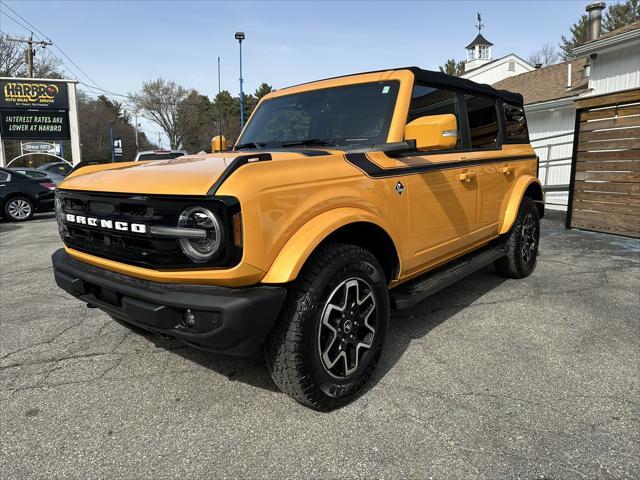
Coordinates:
(160,101)
(13,61)
(11,57)
(546,56)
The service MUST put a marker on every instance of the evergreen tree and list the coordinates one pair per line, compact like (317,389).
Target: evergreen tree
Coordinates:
(452,67)
(616,16)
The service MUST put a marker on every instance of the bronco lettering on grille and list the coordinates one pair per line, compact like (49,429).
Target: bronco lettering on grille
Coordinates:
(106,224)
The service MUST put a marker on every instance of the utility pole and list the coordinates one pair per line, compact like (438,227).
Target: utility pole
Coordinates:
(136,130)
(30,51)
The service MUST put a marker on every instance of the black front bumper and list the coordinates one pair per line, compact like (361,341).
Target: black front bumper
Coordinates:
(228,320)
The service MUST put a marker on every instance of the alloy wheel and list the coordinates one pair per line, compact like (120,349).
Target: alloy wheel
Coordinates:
(19,209)
(347,327)
(529,238)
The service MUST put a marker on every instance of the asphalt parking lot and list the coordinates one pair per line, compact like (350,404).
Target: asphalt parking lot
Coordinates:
(537,378)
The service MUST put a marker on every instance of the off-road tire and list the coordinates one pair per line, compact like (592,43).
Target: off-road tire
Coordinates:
(516,264)
(294,349)
(13,207)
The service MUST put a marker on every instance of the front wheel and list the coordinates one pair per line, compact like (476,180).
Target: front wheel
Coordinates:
(329,337)
(521,243)
(18,209)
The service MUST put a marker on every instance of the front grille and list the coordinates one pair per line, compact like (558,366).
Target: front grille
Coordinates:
(145,250)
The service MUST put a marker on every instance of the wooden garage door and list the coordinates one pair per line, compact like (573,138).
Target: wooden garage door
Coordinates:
(604,194)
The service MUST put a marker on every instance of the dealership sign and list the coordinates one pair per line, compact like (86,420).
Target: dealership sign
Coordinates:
(40,147)
(33,94)
(37,125)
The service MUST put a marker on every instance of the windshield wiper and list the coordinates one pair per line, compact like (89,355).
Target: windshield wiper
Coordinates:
(310,141)
(249,145)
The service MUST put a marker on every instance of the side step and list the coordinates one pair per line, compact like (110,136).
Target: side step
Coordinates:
(413,292)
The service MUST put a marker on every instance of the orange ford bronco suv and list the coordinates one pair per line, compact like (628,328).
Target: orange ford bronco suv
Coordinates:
(342,199)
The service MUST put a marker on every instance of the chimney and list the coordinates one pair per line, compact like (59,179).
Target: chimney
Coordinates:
(595,19)
(537,66)
(569,67)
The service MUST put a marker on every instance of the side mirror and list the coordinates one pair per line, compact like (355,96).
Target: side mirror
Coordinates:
(218,144)
(433,132)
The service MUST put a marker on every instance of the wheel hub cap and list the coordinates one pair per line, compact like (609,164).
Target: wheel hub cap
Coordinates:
(347,327)
(19,209)
(529,238)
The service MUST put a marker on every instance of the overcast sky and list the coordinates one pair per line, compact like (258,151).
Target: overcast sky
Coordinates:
(121,44)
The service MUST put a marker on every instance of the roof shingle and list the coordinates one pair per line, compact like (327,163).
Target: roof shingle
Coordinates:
(546,84)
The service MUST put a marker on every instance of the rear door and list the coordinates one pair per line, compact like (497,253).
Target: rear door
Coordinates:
(495,173)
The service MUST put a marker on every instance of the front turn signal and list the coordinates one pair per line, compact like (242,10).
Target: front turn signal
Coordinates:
(237,229)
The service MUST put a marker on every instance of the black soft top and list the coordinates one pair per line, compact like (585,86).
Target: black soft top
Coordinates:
(439,79)
(442,80)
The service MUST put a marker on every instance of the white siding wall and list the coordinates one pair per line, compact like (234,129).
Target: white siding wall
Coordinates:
(549,123)
(498,71)
(616,70)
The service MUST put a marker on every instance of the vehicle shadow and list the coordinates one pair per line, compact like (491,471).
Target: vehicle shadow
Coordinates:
(6,226)
(415,323)
(405,326)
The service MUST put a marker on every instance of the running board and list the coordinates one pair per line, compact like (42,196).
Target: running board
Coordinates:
(413,292)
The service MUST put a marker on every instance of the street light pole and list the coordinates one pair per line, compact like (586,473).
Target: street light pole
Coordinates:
(240,38)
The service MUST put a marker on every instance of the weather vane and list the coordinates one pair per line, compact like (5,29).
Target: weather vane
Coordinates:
(479,25)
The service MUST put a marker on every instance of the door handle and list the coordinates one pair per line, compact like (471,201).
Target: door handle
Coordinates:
(508,170)
(467,176)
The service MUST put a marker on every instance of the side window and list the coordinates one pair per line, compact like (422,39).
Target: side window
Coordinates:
(4,177)
(427,100)
(516,124)
(483,122)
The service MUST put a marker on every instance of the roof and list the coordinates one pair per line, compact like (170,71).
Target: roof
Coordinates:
(479,40)
(442,80)
(617,31)
(618,38)
(549,83)
(493,62)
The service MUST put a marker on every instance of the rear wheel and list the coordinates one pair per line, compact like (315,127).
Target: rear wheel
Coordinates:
(18,209)
(521,243)
(329,337)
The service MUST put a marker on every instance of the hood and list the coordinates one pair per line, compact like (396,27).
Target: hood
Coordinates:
(190,175)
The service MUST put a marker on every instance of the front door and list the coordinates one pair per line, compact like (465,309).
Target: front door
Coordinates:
(443,207)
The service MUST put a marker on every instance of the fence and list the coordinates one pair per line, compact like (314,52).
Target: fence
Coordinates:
(604,192)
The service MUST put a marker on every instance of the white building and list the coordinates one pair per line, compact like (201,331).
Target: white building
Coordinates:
(614,59)
(548,95)
(482,68)
(608,63)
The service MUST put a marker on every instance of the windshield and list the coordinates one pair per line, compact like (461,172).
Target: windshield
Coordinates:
(357,114)
(160,156)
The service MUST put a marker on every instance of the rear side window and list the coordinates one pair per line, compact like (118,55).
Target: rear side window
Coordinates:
(427,100)
(516,124)
(483,121)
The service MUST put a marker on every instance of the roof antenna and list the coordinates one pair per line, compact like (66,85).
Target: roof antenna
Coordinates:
(479,25)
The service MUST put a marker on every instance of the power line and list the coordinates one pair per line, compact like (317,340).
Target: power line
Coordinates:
(49,38)
(25,20)
(106,91)
(66,67)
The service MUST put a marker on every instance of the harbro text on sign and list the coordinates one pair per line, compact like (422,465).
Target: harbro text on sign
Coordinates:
(32,109)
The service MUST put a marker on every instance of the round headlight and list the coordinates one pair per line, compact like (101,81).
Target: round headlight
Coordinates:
(62,229)
(200,249)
